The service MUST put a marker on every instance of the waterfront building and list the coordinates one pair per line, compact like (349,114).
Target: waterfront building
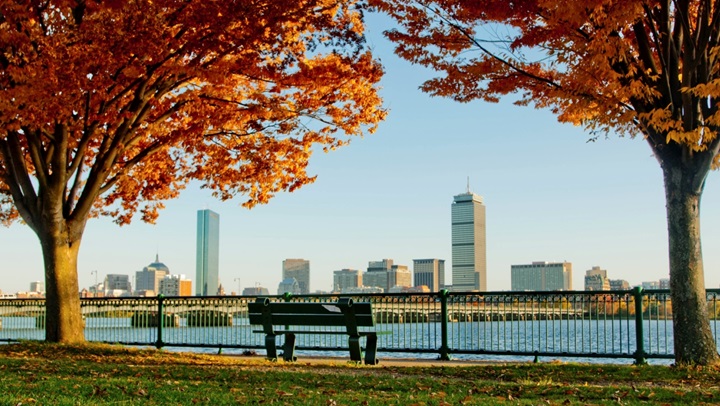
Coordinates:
(208,253)
(300,270)
(619,284)
(399,276)
(430,273)
(147,281)
(541,276)
(256,291)
(36,287)
(117,282)
(651,285)
(375,280)
(377,274)
(410,289)
(469,264)
(596,279)
(385,274)
(363,290)
(176,285)
(346,278)
(664,283)
(289,285)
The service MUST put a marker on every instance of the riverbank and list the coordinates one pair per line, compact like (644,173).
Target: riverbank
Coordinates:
(37,373)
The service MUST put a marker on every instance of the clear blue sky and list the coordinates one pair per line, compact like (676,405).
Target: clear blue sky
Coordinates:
(550,196)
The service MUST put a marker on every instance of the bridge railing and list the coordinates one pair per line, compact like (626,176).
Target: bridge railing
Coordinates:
(634,324)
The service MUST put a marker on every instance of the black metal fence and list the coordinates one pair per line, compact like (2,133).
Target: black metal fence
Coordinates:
(634,324)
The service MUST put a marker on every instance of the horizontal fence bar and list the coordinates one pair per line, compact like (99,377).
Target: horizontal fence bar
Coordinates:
(581,324)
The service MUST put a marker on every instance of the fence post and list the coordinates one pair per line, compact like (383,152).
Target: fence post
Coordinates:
(160,321)
(637,293)
(444,349)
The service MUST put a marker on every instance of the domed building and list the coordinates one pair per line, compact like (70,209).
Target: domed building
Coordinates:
(147,281)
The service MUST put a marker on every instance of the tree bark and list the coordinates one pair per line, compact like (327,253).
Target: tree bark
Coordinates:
(693,340)
(63,318)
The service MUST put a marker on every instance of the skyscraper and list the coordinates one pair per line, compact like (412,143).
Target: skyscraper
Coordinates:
(430,273)
(208,253)
(300,270)
(469,265)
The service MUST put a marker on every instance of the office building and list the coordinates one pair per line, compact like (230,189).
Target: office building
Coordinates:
(36,287)
(176,285)
(650,285)
(386,275)
(256,291)
(147,281)
(300,270)
(596,279)
(345,279)
(469,264)
(399,276)
(541,276)
(208,253)
(619,284)
(117,282)
(430,273)
(375,280)
(289,285)
(376,275)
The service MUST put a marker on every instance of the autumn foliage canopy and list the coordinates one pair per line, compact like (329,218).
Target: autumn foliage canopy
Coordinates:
(110,107)
(646,68)
(113,106)
(625,67)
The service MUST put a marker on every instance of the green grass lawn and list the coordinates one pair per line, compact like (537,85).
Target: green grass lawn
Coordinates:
(52,374)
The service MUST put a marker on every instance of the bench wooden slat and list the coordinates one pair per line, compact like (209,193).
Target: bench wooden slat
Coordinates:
(310,314)
(299,319)
(320,332)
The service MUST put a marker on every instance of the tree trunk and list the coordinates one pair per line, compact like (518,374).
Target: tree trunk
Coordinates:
(694,342)
(63,318)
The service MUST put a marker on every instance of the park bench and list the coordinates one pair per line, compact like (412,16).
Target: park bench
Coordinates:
(343,313)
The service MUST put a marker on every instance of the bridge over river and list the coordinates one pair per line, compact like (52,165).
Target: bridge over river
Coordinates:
(393,312)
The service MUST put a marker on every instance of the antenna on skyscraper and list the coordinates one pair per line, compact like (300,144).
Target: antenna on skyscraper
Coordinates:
(468,185)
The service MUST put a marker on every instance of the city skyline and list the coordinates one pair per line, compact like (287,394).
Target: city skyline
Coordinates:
(553,195)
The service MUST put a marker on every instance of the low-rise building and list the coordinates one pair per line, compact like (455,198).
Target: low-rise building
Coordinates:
(176,285)
(541,276)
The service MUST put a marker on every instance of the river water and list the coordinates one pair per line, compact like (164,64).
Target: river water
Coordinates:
(586,340)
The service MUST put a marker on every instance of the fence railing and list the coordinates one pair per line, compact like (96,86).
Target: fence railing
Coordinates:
(634,324)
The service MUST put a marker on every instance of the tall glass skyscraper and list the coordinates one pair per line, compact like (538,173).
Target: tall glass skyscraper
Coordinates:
(469,265)
(208,253)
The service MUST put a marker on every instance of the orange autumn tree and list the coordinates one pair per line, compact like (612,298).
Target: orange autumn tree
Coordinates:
(646,69)
(109,107)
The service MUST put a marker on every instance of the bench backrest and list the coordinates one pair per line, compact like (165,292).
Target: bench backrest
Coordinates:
(345,312)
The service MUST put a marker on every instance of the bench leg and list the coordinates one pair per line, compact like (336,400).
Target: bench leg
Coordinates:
(270,347)
(289,348)
(371,350)
(355,351)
